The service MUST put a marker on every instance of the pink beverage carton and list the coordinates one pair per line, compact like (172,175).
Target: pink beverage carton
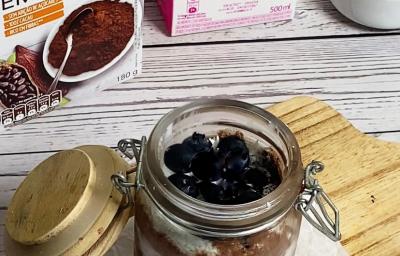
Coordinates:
(192,16)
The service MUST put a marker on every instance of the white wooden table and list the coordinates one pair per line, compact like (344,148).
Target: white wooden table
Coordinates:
(319,53)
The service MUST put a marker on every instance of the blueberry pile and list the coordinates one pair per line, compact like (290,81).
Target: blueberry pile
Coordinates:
(222,173)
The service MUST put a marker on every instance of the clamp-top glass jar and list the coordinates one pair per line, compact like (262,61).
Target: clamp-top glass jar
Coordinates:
(169,222)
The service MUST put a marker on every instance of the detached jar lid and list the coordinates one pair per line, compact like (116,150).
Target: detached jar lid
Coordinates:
(68,205)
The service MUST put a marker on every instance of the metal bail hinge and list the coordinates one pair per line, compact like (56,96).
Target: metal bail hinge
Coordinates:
(131,148)
(314,196)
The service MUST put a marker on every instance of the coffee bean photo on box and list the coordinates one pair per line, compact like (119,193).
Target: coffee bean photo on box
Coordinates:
(16,85)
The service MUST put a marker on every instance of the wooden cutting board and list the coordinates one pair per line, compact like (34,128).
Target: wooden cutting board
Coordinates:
(362,174)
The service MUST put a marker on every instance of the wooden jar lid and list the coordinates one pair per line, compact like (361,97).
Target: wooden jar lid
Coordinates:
(94,220)
(40,208)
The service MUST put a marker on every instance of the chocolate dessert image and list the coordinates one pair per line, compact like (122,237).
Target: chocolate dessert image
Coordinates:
(225,170)
(99,38)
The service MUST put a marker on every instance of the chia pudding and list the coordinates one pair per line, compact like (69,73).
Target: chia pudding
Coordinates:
(218,178)
(157,236)
(202,168)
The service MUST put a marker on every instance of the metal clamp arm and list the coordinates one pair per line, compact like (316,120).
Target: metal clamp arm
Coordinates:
(311,203)
(121,181)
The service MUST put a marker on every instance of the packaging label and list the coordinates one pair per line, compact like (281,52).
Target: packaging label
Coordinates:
(32,109)
(205,15)
(32,16)
(33,47)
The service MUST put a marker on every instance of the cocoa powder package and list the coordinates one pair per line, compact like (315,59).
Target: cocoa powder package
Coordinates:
(96,44)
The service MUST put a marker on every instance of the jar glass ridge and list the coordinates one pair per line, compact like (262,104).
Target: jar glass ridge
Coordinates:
(269,222)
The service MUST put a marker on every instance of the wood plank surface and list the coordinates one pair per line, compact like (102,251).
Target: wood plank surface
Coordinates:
(2,230)
(361,174)
(358,184)
(320,53)
(314,18)
(15,167)
(358,76)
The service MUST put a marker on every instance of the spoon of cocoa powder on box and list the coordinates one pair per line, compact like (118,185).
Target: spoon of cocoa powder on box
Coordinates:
(69,40)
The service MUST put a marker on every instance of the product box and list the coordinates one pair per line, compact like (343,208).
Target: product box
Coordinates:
(192,16)
(103,39)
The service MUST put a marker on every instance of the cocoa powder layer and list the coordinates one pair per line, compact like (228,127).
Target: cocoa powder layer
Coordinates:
(275,242)
(98,38)
(144,230)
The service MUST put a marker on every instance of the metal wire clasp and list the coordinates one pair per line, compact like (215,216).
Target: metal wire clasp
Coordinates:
(131,148)
(314,196)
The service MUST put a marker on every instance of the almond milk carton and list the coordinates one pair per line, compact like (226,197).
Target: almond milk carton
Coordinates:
(192,16)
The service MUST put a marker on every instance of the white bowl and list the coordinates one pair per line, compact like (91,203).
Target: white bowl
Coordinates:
(382,14)
(87,75)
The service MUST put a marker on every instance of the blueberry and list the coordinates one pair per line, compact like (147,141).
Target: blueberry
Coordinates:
(198,142)
(236,164)
(214,193)
(235,154)
(255,178)
(231,144)
(206,166)
(185,183)
(247,195)
(178,158)
(231,187)
(211,192)
(272,167)
(273,179)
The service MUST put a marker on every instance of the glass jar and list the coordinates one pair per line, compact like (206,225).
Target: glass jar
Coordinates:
(169,222)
